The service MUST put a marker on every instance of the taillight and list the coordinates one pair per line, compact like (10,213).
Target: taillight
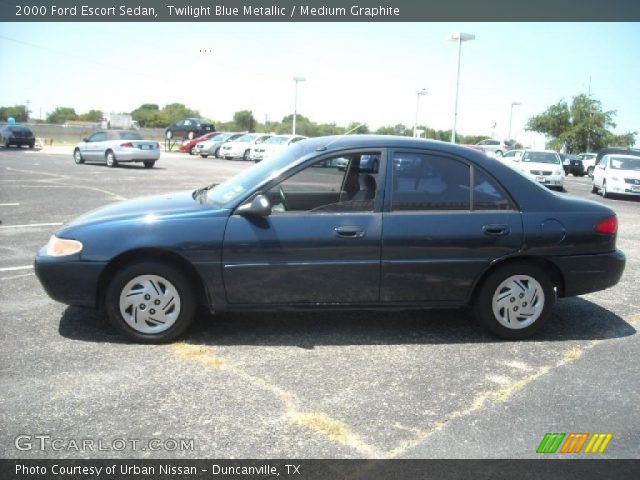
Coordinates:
(127,145)
(608,226)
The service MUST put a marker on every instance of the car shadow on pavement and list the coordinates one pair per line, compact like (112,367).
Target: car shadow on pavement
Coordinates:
(573,319)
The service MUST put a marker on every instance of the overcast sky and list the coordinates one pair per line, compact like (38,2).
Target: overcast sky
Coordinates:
(367,72)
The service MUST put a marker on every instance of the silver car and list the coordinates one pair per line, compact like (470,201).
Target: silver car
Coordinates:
(212,146)
(117,146)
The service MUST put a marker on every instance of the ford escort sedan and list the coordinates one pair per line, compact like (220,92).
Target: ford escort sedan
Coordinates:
(435,225)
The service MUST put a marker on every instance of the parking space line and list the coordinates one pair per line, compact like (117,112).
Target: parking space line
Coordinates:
(9,204)
(318,422)
(13,277)
(13,269)
(28,225)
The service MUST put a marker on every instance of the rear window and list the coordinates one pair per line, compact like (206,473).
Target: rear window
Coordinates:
(18,128)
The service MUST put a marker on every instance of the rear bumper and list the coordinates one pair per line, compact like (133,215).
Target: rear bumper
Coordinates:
(136,155)
(72,282)
(590,273)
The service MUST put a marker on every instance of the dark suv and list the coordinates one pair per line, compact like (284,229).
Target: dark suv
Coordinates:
(17,135)
(189,128)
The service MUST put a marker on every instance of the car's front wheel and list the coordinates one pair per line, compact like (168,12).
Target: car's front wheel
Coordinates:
(77,156)
(245,156)
(498,153)
(594,189)
(217,152)
(111,159)
(150,302)
(515,300)
(590,171)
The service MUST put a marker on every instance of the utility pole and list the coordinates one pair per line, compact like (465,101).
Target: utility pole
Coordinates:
(28,102)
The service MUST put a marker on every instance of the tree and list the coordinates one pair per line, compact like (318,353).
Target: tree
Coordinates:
(582,126)
(176,111)
(149,115)
(19,112)
(244,120)
(91,116)
(62,114)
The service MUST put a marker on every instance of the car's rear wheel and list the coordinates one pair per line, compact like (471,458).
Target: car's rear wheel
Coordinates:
(111,159)
(150,302)
(594,189)
(149,163)
(498,153)
(245,156)
(77,156)
(169,134)
(515,300)
(605,194)
(590,171)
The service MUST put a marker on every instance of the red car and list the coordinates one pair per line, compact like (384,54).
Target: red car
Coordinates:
(188,146)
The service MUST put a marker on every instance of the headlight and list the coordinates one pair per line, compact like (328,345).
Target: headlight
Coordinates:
(60,247)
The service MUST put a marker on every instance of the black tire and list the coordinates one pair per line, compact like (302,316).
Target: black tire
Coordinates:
(168,272)
(483,304)
(191,135)
(169,134)
(149,163)
(590,171)
(245,156)
(217,153)
(31,145)
(603,191)
(594,189)
(498,153)
(77,156)
(204,156)
(110,158)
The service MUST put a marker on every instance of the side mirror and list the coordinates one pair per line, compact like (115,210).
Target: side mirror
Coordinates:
(258,206)
(600,165)
(85,140)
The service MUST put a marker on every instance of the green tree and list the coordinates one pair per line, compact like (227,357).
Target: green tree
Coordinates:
(582,126)
(91,116)
(19,112)
(61,115)
(176,111)
(245,121)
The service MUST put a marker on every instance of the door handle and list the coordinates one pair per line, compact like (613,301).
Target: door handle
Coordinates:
(496,230)
(349,232)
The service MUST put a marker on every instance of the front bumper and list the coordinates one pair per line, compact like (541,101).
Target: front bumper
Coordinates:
(69,280)
(590,273)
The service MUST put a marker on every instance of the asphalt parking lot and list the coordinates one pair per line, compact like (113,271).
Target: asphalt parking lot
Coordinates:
(425,384)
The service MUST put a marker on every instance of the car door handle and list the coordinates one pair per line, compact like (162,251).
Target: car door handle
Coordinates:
(496,230)
(349,232)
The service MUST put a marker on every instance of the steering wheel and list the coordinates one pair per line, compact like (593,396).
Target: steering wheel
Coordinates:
(282,197)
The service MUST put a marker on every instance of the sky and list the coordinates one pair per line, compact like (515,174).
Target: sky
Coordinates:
(365,72)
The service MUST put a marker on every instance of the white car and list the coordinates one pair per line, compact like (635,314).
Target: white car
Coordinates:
(212,145)
(542,166)
(273,145)
(588,162)
(117,146)
(618,174)
(241,146)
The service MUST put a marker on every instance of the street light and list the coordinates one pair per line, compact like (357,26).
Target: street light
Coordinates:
(295,101)
(458,37)
(415,124)
(513,104)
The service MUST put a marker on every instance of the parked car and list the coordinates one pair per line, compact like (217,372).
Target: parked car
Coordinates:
(541,166)
(17,135)
(117,146)
(457,229)
(609,150)
(272,145)
(498,147)
(617,174)
(572,164)
(189,146)
(241,146)
(189,128)
(588,162)
(212,146)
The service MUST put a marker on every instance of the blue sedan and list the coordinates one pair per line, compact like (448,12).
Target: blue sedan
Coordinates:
(433,225)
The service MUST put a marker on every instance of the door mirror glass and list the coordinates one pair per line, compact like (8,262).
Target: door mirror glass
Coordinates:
(258,206)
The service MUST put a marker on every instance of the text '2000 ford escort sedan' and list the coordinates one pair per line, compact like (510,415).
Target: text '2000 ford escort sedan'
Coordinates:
(424,224)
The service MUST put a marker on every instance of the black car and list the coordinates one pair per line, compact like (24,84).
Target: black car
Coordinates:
(572,164)
(17,135)
(189,128)
(437,225)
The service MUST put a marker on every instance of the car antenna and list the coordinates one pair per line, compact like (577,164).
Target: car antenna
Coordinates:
(323,148)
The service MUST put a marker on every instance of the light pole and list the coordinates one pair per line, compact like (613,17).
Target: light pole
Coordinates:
(415,123)
(458,37)
(295,101)
(513,104)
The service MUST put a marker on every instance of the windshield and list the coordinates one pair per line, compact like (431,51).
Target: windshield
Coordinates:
(625,163)
(540,157)
(250,137)
(277,140)
(225,193)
